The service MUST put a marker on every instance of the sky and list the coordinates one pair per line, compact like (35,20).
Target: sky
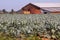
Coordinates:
(18,4)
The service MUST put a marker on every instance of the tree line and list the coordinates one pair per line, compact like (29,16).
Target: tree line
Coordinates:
(4,11)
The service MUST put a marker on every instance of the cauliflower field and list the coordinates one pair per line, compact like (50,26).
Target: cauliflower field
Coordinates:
(42,24)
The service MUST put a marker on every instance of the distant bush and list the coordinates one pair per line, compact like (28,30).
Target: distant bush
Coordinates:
(4,11)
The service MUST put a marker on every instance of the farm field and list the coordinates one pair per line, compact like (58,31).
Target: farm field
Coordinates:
(30,26)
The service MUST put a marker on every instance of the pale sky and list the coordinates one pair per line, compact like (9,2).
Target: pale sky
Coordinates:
(18,4)
(47,4)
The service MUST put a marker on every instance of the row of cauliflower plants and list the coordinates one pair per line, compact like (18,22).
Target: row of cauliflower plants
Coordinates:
(14,29)
(37,25)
